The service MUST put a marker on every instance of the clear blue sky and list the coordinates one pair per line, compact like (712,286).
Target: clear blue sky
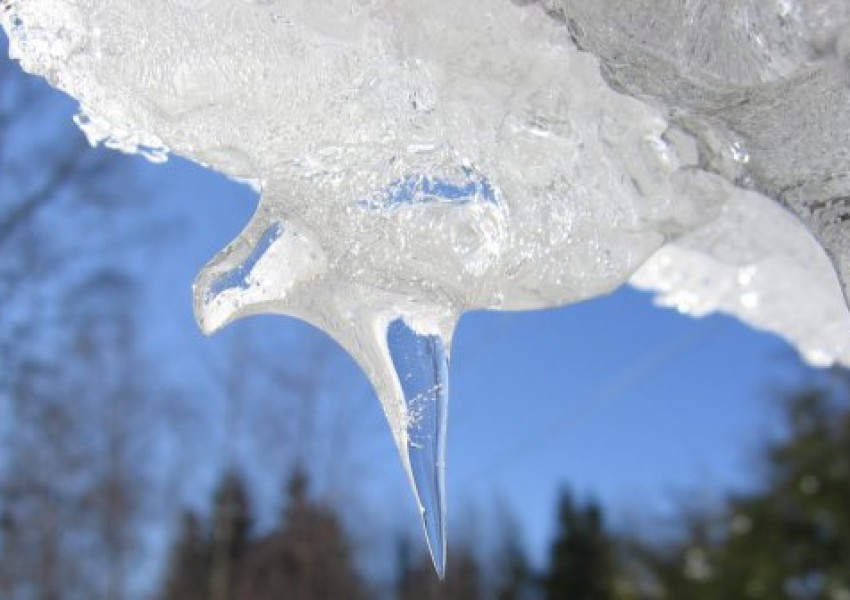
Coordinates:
(622,401)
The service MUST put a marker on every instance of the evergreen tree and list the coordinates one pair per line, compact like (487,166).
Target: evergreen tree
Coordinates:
(232,521)
(307,558)
(464,580)
(513,576)
(516,578)
(206,559)
(187,576)
(417,579)
(581,559)
(410,577)
(790,539)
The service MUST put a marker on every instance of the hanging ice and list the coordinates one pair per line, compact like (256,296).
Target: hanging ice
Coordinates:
(421,364)
(421,158)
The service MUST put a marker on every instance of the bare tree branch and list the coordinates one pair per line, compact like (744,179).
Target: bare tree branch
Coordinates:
(64,172)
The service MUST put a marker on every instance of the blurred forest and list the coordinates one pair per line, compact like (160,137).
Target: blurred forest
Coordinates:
(90,488)
(788,538)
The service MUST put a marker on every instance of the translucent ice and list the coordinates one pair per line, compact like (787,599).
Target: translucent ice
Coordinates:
(421,364)
(421,158)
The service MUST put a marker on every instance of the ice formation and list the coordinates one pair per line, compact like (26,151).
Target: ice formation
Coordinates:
(421,158)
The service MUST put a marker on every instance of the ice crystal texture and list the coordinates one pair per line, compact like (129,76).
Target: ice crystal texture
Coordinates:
(421,158)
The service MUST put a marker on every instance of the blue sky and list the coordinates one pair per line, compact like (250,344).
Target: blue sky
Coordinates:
(633,405)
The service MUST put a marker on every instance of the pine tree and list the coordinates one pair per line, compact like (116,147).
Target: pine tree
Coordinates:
(516,576)
(187,576)
(513,575)
(790,538)
(232,521)
(581,559)
(307,558)
(206,558)
(417,579)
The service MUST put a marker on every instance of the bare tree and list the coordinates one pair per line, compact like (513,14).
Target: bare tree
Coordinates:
(74,388)
(76,478)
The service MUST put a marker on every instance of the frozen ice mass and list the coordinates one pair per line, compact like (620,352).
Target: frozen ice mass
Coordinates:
(417,159)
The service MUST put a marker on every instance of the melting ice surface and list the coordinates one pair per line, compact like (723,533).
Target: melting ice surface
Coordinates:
(239,277)
(421,158)
(422,188)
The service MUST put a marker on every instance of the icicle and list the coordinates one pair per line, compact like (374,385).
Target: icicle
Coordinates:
(421,365)
(402,346)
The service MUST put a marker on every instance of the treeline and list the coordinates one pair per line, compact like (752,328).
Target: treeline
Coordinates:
(308,555)
(789,538)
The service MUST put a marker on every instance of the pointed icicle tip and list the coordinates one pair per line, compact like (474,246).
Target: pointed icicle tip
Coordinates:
(421,367)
